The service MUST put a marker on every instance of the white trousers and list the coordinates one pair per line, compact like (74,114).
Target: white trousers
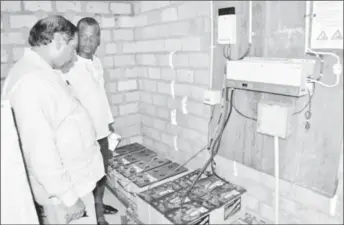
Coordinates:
(54,214)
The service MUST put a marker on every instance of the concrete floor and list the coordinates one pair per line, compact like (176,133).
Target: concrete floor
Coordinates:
(110,199)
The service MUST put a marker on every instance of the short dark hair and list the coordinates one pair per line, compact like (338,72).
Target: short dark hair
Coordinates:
(89,21)
(42,33)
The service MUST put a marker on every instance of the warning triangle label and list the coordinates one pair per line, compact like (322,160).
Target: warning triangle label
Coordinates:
(322,36)
(337,36)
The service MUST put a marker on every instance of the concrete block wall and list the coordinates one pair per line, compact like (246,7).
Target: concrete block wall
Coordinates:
(135,52)
(176,29)
(17,17)
(183,27)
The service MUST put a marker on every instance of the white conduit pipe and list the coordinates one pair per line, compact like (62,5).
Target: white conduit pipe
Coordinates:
(307,28)
(276,149)
(211,44)
(250,23)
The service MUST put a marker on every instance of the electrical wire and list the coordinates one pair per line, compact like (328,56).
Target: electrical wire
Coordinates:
(215,144)
(194,182)
(337,68)
(169,174)
(240,113)
(142,171)
(209,124)
(195,155)
(186,162)
(326,85)
(227,52)
(310,97)
(212,115)
(227,56)
(295,113)
(218,141)
(322,62)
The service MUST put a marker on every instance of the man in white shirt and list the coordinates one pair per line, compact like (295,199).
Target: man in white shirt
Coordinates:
(86,79)
(58,139)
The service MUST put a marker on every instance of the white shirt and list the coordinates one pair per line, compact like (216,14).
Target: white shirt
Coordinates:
(17,206)
(59,143)
(87,80)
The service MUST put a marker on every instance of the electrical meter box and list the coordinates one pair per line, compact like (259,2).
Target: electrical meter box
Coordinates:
(278,76)
(275,119)
(226,26)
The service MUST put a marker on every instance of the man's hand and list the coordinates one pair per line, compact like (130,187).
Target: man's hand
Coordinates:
(114,139)
(76,211)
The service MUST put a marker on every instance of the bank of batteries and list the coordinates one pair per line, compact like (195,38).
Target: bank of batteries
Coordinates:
(208,194)
(142,166)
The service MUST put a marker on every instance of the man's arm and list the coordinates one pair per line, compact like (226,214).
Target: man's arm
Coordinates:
(101,82)
(38,141)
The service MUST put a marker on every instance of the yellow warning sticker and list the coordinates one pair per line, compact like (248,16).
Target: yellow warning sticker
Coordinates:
(327,25)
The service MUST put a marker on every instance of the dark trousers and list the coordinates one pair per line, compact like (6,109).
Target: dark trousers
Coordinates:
(98,192)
